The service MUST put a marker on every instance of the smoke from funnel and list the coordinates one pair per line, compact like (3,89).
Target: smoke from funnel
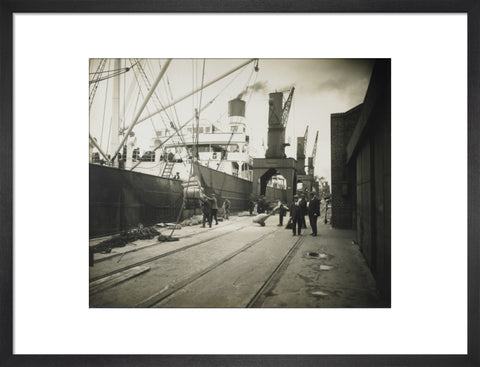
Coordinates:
(256,87)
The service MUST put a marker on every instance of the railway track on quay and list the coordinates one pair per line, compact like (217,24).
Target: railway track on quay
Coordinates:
(153,258)
(239,278)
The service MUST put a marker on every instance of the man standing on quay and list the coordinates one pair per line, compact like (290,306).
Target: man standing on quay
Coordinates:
(226,208)
(282,210)
(214,209)
(314,213)
(303,210)
(296,215)
(207,210)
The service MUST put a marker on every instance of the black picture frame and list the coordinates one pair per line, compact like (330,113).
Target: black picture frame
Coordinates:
(8,8)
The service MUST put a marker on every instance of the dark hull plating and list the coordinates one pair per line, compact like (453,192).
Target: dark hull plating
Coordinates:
(237,190)
(121,200)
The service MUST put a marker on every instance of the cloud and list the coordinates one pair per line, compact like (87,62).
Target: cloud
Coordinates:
(260,86)
(347,77)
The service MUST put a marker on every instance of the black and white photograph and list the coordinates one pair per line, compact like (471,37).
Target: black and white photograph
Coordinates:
(239,183)
(315,162)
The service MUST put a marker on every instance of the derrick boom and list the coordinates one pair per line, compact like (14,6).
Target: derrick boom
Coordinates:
(286,108)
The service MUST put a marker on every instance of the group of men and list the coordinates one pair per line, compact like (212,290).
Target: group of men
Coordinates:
(298,209)
(210,209)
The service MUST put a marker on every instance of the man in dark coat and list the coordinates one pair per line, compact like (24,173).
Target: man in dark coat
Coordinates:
(296,215)
(303,210)
(282,210)
(207,211)
(314,213)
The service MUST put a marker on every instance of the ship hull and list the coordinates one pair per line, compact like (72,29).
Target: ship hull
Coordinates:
(120,199)
(237,190)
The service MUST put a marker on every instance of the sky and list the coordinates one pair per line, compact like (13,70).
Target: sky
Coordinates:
(322,87)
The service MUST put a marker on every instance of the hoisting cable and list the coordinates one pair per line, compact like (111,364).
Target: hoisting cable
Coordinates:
(197,113)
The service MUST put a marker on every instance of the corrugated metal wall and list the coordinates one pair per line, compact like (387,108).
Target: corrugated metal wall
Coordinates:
(365,225)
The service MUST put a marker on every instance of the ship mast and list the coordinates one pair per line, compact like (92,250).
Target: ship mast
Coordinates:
(114,136)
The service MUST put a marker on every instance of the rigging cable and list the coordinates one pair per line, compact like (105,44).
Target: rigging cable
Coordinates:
(104,109)
(191,118)
(146,107)
(91,96)
(157,99)
(197,110)
(169,116)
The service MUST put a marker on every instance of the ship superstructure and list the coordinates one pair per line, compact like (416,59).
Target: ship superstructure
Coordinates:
(222,146)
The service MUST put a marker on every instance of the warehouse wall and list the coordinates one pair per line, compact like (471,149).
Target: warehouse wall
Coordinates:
(366,167)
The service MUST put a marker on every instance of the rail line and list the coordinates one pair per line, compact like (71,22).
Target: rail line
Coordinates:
(275,275)
(168,291)
(121,254)
(254,302)
(153,258)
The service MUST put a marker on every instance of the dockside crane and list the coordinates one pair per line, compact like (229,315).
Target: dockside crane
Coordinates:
(311,163)
(305,136)
(286,107)
(277,122)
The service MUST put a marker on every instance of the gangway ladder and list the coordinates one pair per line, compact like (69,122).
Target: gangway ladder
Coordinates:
(167,169)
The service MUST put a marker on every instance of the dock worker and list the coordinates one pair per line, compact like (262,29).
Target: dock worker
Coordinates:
(282,210)
(251,206)
(226,208)
(214,208)
(314,213)
(303,210)
(207,210)
(262,205)
(296,215)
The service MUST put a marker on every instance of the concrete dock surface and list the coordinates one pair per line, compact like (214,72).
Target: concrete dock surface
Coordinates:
(323,271)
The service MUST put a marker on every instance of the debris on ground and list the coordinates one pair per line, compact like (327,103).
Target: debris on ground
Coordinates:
(243,214)
(124,238)
(194,220)
(163,238)
(174,226)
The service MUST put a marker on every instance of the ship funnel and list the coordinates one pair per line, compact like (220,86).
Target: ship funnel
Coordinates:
(236,108)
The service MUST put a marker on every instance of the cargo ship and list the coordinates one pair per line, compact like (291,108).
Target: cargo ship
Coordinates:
(129,187)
